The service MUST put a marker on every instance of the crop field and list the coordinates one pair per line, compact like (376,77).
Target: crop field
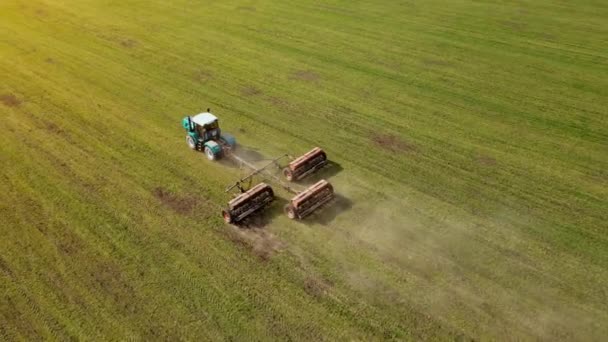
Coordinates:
(469,143)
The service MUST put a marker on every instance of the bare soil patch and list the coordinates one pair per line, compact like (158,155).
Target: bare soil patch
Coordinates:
(250,91)
(129,43)
(69,243)
(486,160)
(279,102)
(436,62)
(41,13)
(202,76)
(110,278)
(548,36)
(246,8)
(306,76)
(513,25)
(334,9)
(316,286)
(10,100)
(4,268)
(600,176)
(180,204)
(447,81)
(393,143)
(52,127)
(394,66)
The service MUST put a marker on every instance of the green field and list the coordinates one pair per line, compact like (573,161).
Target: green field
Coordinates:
(470,142)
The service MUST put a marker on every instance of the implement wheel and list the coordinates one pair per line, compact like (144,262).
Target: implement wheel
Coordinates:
(291,212)
(227,216)
(288,174)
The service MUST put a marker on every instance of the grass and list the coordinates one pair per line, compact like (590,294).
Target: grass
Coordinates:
(472,144)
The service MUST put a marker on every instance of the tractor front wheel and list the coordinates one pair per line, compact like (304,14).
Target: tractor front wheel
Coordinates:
(209,153)
(191,143)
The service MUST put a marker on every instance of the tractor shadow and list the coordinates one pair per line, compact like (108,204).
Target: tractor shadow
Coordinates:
(330,170)
(330,211)
(265,216)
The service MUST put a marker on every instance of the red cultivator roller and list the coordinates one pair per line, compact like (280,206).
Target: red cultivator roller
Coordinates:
(306,164)
(301,205)
(248,202)
(309,200)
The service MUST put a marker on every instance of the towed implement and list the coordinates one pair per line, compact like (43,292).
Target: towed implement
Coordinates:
(307,201)
(304,202)
(204,134)
(248,202)
(305,165)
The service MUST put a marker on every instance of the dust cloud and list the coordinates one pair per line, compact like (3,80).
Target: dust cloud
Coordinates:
(481,277)
(258,241)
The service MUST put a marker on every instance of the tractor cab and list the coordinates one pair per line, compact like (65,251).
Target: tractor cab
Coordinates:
(207,126)
(202,127)
(204,134)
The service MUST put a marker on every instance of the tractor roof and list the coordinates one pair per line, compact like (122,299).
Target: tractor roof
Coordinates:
(204,119)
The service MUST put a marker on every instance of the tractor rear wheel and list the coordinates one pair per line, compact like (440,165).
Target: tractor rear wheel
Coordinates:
(209,153)
(191,143)
(227,216)
(290,211)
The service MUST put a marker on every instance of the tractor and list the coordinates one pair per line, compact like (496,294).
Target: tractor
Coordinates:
(204,134)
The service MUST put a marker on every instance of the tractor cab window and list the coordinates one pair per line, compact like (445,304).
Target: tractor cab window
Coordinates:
(200,129)
(208,131)
(207,128)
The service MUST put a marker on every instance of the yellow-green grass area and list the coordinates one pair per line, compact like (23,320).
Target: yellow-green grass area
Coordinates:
(470,150)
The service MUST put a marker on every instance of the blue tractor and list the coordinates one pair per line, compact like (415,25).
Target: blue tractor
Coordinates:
(204,134)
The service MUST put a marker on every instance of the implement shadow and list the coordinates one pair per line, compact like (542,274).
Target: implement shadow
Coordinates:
(264,217)
(326,214)
(330,170)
